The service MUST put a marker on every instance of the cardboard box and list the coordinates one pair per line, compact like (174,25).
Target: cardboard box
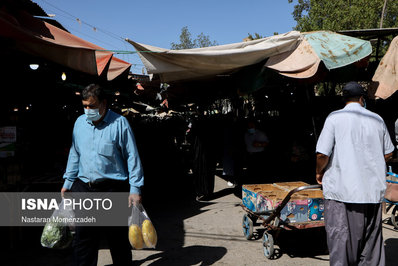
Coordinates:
(250,195)
(303,206)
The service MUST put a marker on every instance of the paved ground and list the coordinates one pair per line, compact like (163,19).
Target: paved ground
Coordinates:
(210,233)
(196,233)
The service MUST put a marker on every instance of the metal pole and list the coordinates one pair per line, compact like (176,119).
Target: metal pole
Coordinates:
(377,49)
(382,14)
(307,88)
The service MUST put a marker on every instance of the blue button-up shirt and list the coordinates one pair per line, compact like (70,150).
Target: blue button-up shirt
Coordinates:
(105,151)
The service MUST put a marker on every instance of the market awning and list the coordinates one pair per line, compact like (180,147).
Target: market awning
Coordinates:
(292,54)
(333,49)
(199,63)
(38,38)
(386,77)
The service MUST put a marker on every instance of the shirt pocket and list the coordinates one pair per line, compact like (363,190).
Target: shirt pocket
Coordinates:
(106,149)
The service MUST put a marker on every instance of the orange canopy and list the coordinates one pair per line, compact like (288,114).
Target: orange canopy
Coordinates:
(36,37)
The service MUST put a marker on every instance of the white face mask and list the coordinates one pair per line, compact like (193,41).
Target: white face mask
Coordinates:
(92,114)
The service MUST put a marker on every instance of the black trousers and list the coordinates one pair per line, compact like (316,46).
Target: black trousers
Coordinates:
(86,242)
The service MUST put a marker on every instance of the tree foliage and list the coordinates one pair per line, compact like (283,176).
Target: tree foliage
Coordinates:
(255,37)
(186,41)
(339,15)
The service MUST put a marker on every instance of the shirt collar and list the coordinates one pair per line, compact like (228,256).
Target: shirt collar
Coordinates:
(353,106)
(107,116)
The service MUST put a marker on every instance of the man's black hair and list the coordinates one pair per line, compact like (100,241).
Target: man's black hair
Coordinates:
(351,98)
(94,90)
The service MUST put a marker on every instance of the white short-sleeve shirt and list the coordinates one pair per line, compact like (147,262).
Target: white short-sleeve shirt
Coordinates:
(356,141)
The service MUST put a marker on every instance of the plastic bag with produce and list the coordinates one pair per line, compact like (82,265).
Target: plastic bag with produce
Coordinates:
(58,232)
(142,233)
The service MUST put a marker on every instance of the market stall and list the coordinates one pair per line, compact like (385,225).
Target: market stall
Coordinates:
(270,79)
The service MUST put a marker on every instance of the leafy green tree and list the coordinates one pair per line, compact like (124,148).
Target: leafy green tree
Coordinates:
(204,41)
(255,37)
(186,41)
(336,15)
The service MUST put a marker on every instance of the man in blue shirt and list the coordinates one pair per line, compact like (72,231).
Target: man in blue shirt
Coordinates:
(103,158)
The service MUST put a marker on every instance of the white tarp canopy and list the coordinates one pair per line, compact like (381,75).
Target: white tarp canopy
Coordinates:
(178,65)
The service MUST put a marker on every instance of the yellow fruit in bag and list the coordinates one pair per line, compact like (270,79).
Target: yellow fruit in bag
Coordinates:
(149,234)
(135,237)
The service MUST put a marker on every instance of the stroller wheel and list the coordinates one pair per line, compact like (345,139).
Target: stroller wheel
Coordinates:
(247,225)
(268,245)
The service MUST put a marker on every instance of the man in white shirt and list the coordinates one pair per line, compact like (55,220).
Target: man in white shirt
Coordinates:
(351,153)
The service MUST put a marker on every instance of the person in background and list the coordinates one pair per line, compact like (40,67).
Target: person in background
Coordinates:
(232,150)
(256,142)
(103,158)
(351,166)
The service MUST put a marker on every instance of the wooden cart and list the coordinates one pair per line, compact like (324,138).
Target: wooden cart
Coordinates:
(281,206)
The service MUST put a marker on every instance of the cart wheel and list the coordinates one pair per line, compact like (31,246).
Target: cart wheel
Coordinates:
(247,224)
(394,217)
(268,245)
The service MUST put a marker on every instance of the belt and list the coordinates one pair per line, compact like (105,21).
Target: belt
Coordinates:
(96,183)
(106,184)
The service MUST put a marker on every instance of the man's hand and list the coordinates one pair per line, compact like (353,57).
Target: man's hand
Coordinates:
(322,161)
(134,199)
(63,191)
(319,178)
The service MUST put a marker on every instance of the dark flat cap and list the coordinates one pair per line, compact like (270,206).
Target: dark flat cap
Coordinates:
(352,88)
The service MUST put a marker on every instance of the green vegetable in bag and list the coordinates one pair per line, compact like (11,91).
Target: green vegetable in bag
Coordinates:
(56,235)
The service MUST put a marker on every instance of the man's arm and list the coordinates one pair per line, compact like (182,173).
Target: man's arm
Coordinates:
(322,161)
(134,166)
(72,169)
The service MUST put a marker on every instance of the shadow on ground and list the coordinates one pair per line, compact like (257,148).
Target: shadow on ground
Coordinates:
(391,247)
(301,243)
(192,255)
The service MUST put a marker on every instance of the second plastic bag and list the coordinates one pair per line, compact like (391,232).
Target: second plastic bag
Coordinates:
(142,233)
